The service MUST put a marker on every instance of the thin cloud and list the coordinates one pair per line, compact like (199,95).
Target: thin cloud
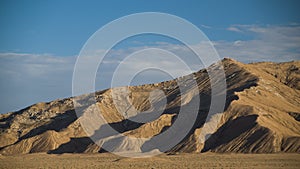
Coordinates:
(206,26)
(29,78)
(234,29)
(269,43)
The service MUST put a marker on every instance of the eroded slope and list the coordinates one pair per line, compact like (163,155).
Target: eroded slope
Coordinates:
(261,115)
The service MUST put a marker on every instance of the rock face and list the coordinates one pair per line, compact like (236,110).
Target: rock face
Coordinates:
(261,115)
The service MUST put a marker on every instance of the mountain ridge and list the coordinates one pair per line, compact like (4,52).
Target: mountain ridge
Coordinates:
(261,115)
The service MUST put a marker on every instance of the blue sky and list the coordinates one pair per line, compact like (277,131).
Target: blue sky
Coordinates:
(39,40)
(62,27)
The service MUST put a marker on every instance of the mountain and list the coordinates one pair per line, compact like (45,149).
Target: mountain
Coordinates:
(261,115)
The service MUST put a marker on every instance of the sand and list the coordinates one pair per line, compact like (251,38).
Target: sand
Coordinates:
(192,160)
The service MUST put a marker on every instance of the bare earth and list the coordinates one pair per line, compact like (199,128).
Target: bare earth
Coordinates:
(106,160)
(262,116)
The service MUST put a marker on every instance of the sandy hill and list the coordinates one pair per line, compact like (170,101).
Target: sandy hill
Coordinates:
(262,115)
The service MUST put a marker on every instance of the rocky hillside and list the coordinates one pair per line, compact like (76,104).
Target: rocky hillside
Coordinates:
(261,115)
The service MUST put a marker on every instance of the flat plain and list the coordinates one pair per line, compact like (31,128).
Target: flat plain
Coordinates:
(193,160)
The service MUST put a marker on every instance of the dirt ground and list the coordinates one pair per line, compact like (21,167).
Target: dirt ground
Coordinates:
(106,160)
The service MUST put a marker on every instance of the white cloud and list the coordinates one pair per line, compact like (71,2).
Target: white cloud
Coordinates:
(206,26)
(29,78)
(31,65)
(269,43)
(234,29)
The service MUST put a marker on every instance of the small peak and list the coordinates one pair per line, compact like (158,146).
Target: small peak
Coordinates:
(226,59)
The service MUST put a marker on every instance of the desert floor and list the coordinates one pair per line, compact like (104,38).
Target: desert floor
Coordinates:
(106,160)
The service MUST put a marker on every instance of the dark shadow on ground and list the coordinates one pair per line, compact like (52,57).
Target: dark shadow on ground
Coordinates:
(75,145)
